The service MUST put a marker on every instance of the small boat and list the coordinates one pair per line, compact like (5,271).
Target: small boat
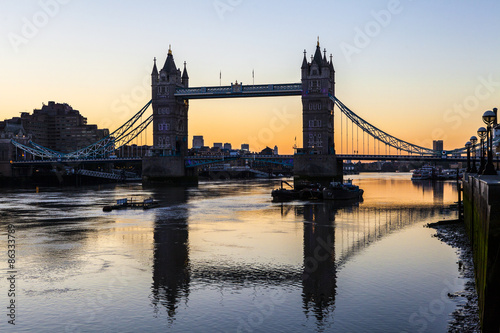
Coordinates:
(424,173)
(283,194)
(342,191)
(124,204)
(335,191)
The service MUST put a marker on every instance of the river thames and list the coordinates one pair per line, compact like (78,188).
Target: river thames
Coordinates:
(222,257)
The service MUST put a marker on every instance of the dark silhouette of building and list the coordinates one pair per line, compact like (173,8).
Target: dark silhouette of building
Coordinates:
(198,141)
(437,144)
(11,129)
(61,128)
(266,151)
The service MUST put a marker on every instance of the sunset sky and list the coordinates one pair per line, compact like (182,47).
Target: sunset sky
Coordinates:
(417,69)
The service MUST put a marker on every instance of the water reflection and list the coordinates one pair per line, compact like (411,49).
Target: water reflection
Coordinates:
(171,271)
(436,188)
(332,236)
(319,276)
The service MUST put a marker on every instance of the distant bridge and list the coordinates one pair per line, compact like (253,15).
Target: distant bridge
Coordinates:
(284,160)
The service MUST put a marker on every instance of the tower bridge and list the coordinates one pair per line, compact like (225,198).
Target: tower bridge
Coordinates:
(168,158)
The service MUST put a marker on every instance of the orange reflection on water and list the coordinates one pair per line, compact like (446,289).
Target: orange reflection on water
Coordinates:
(397,189)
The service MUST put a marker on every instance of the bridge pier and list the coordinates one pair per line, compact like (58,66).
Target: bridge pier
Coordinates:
(312,168)
(167,170)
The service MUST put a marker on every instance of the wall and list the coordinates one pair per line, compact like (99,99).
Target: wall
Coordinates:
(482,220)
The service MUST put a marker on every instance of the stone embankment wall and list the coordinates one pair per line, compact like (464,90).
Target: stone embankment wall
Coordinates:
(482,220)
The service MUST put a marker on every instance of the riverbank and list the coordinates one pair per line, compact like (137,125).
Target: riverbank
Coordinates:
(466,316)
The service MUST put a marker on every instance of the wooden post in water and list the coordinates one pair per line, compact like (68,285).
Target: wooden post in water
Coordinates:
(459,190)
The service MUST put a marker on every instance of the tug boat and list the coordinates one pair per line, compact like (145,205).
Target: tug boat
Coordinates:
(334,191)
(342,191)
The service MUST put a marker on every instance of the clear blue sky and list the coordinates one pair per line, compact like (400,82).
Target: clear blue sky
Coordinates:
(401,65)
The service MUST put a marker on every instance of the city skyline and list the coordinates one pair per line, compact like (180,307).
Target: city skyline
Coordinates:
(401,65)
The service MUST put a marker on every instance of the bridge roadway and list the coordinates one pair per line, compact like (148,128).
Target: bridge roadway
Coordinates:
(240,90)
(287,160)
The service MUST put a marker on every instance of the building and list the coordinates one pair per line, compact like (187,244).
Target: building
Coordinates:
(59,127)
(437,145)
(11,129)
(170,114)
(218,145)
(266,151)
(198,141)
(275,150)
(227,146)
(318,80)
(245,147)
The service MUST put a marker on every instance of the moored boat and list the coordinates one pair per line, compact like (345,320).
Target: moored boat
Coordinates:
(342,191)
(334,191)
(424,173)
(283,194)
(124,204)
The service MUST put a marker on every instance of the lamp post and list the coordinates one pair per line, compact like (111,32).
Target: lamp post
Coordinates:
(481,132)
(473,141)
(489,118)
(468,145)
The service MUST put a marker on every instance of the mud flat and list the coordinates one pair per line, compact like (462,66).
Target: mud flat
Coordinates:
(466,316)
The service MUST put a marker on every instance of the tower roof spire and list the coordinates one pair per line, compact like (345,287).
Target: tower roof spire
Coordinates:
(184,72)
(155,70)
(169,65)
(304,62)
(317,55)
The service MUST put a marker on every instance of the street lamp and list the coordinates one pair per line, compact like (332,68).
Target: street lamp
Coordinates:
(481,132)
(473,141)
(468,145)
(489,118)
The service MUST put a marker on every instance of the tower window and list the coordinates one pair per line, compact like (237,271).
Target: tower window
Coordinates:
(164,110)
(314,86)
(314,123)
(164,127)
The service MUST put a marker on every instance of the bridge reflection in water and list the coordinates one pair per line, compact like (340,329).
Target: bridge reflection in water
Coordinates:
(332,235)
(171,275)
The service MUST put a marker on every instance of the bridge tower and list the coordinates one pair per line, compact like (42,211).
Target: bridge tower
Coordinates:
(170,126)
(318,83)
(316,161)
